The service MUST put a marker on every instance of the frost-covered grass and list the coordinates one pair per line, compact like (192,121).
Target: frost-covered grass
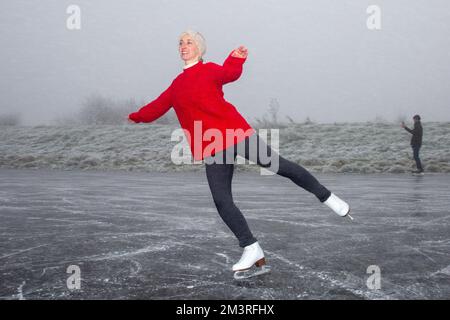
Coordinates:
(365,147)
(353,147)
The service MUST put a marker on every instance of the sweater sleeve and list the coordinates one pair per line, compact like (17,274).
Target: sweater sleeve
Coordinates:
(231,69)
(154,109)
(409,130)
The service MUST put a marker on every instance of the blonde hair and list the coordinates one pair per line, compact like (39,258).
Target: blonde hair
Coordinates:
(198,39)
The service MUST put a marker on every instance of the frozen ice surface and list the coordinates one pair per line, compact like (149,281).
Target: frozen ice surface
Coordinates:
(158,236)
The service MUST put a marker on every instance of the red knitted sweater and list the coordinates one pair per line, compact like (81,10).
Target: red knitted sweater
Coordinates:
(196,95)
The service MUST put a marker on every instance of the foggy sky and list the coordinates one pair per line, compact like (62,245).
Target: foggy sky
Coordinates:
(316,57)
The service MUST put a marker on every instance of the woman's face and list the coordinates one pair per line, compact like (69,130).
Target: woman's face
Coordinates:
(188,49)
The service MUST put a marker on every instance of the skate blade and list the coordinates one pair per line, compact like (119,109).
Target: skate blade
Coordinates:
(348,215)
(251,273)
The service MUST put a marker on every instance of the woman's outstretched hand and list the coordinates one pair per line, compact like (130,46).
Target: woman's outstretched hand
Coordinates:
(240,52)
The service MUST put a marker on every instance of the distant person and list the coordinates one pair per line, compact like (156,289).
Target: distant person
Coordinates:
(416,141)
(197,94)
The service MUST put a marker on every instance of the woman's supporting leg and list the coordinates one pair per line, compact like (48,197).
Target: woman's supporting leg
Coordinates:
(416,158)
(219,179)
(299,175)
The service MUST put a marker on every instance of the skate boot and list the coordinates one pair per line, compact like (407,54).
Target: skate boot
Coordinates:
(253,255)
(339,206)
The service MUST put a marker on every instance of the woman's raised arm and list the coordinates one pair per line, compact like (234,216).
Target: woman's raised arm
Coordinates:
(232,67)
(154,109)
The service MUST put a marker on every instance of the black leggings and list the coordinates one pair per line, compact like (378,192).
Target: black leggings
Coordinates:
(416,150)
(219,177)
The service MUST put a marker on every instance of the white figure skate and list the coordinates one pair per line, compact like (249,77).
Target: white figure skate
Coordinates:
(253,255)
(339,206)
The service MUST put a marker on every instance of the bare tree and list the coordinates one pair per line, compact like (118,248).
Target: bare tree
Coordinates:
(274,108)
(290,120)
(308,120)
(270,118)
(10,119)
(97,109)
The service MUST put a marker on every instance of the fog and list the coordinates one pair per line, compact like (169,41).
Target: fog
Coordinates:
(317,58)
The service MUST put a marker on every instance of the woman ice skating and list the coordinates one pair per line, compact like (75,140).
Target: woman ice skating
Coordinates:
(196,95)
